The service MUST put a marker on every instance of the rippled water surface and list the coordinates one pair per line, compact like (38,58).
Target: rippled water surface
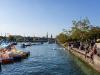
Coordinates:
(48,59)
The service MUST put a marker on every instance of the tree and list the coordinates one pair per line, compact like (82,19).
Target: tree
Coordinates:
(11,38)
(94,33)
(1,37)
(62,38)
(80,29)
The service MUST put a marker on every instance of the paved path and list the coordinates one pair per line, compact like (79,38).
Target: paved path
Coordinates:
(81,55)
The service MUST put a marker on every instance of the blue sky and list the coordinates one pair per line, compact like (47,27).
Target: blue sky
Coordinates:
(37,17)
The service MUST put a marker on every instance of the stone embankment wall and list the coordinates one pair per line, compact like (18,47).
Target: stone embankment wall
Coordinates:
(95,63)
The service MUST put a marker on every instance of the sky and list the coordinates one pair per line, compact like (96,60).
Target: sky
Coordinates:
(37,17)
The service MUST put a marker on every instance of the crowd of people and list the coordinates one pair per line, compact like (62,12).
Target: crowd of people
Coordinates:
(88,48)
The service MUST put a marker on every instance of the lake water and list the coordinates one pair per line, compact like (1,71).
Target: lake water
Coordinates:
(48,59)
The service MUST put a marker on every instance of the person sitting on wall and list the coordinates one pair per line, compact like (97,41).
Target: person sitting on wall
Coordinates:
(95,49)
(86,50)
(93,52)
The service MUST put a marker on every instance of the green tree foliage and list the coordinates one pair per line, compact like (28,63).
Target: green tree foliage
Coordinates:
(81,31)
(62,38)
(1,37)
(11,38)
(94,33)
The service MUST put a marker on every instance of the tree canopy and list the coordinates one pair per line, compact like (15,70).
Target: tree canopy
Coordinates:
(81,30)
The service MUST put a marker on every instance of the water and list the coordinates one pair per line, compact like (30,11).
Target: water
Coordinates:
(48,59)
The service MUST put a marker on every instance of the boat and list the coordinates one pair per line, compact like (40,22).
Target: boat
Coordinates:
(9,54)
(7,61)
(14,43)
(24,45)
(15,57)
(25,55)
(10,60)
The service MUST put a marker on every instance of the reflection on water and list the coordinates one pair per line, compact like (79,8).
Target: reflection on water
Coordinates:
(44,60)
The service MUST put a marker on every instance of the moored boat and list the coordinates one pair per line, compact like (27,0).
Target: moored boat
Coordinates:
(25,54)
(15,57)
(7,61)
(10,54)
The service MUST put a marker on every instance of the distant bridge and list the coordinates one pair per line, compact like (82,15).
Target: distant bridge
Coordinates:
(42,40)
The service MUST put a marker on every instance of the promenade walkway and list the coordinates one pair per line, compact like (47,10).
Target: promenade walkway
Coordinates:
(95,63)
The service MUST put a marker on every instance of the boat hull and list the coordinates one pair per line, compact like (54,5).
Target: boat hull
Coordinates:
(15,58)
(7,61)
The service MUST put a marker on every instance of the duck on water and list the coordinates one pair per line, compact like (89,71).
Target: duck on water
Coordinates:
(9,54)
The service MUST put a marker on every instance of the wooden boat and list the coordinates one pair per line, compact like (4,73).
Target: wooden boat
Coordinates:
(25,54)
(15,57)
(7,61)
(21,56)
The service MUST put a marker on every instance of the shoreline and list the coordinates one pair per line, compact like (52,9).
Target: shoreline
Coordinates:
(81,56)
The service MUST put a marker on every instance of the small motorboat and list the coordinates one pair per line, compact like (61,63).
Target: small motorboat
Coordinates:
(14,43)
(23,46)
